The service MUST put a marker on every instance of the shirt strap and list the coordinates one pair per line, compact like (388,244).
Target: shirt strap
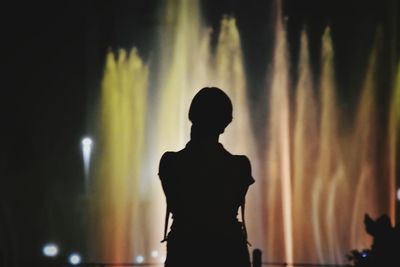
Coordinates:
(167,211)
(242,207)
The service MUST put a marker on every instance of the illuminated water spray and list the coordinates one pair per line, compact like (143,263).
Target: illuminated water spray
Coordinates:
(316,177)
(278,170)
(305,150)
(320,186)
(119,228)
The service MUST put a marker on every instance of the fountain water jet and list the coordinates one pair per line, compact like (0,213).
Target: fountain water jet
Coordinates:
(329,162)
(278,171)
(305,150)
(121,134)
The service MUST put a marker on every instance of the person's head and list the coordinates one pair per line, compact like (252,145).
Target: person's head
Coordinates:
(211,110)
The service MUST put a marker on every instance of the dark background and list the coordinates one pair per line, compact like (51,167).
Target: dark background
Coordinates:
(53,57)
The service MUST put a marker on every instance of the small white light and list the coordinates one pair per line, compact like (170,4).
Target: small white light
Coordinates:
(139,259)
(75,259)
(87,142)
(87,146)
(398,194)
(50,250)
(154,253)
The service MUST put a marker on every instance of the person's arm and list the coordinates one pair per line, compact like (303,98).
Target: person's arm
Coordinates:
(247,177)
(163,171)
(165,174)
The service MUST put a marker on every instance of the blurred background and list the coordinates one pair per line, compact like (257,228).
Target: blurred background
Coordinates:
(55,57)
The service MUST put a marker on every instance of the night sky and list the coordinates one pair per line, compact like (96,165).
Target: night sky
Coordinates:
(53,59)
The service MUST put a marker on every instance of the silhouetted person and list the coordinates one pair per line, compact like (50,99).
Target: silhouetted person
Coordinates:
(204,187)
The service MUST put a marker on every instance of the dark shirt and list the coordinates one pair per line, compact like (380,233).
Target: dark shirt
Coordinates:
(204,185)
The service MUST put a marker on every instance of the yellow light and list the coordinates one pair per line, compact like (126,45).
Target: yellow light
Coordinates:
(122,137)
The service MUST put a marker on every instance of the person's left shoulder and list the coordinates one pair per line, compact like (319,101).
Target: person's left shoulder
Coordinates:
(244,165)
(243,160)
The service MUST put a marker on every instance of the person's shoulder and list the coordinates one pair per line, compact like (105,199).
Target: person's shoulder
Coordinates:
(243,163)
(167,158)
(172,155)
(166,163)
(242,160)
(239,160)
(168,155)
(244,168)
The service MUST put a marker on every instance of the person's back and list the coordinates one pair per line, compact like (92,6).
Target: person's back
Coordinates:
(204,186)
(205,182)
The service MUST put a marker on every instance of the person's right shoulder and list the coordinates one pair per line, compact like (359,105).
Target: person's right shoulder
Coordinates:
(167,157)
(166,163)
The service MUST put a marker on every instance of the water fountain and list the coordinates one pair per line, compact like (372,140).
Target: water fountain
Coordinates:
(315,178)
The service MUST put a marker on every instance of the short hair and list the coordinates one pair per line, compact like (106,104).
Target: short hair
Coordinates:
(211,108)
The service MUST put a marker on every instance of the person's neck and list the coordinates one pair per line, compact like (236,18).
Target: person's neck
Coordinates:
(199,135)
